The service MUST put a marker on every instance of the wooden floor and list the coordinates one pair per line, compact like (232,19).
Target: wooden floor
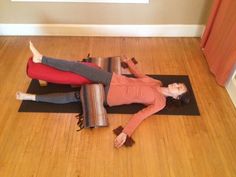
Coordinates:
(48,145)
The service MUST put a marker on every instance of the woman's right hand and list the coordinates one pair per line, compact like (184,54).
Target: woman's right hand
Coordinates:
(124,62)
(124,59)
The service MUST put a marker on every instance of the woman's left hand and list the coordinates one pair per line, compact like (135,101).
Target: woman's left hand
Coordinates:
(120,140)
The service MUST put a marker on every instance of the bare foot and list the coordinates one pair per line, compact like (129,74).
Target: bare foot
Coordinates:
(25,96)
(37,57)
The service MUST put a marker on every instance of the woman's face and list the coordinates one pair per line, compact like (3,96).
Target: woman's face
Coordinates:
(177,89)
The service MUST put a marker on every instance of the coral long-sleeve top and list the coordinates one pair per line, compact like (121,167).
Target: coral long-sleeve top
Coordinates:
(142,89)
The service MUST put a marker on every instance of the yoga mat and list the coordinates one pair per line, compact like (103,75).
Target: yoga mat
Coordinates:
(34,87)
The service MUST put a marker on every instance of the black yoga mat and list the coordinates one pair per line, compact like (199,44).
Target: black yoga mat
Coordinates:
(34,87)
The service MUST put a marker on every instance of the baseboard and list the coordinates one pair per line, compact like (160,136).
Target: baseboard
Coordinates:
(88,1)
(231,87)
(169,30)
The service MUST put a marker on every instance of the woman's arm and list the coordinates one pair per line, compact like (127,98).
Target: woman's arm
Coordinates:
(138,73)
(140,116)
(133,69)
(135,121)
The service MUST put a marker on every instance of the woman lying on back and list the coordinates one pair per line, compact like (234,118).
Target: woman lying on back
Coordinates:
(119,90)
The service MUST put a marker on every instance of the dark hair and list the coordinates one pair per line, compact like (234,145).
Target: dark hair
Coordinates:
(182,99)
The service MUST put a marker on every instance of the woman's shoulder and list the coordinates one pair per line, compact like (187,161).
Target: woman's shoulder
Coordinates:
(160,100)
(150,79)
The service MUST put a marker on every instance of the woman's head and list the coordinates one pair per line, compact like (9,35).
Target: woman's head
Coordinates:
(179,91)
(176,89)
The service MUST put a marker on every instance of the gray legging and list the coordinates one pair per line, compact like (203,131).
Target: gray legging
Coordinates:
(59,98)
(93,74)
